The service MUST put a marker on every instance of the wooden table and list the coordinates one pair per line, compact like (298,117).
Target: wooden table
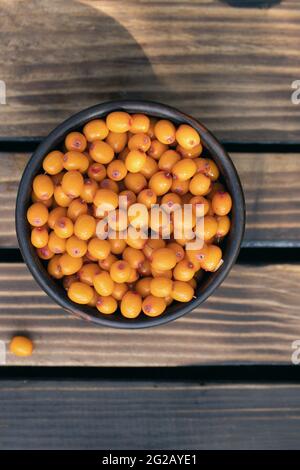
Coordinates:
(221,377)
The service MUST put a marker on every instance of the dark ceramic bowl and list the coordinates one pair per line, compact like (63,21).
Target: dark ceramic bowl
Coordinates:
(208,284)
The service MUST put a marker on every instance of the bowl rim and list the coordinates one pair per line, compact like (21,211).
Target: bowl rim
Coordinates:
(55,138)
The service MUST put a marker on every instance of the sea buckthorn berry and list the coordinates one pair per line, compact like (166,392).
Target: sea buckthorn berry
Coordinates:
(21,346)
(89,190)
(80,293)
(143,286)
(163,259)
(75,141)
(135,161)
(184,169)
(37,214)
(171,202)
(164,131)
(74,160)
(116,170)
(144,268)
(56,244)
(53,162)
(168,160)
(137,242)
(210,227)
(180,187)
(120,290)
(103,283)
(107,305)
(77,208)
(43,187)
(45,252)
(135,182)
(182,291)
(85,227)
(117,141)
(194,152)
(120,271)
(97,172)
(117,245)
(212,170)
(101,152)
(76,247)
(153,306)
(61,198)
(150,167)
(134,257)
(106,263)
(131,305)
(107,183)
(161,286)
(178,250)
(223,222)
(184,270)
(156,149)
(130,196)
(68,280)
(118,121)
(54,268)
(161,182)
(99,249)
(147,197)
(199,185)
(95,130)
(198,255)
(139,123)
(69,264)
(187,137)
(158,273)
(139,142)
(212,258)
(151,245)
(39,237)
(64,227)
(47,202)
(221,203)
(72,183)
(87,273)
(203,203)
(133,277)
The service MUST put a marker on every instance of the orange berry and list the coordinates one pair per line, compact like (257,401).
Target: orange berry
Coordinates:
(106,201)
(80,293)
(61,198)
(221,203)
(118,121)
(76,247)
(134,257)
(210,227)
(139,142)
(107,305)
(223,222)
(165,131)
(187,137)
(135,182)
(106,264)
(158,273)
(75,141)
(143,286)
(135,161)
(139,123)
(178,250)
(99,249)
(72,183)
(43,187)
(131,305)
(56,244)
(117,245)
(153,306)
(184,169)
(39,237)
(163,259)
(120,271)
(203,203)
(85,227)
(76,208)
(116,170)
(88,272)
(190,153)
(144,269)
(47,202)
(69,265)
(44,252)
(170,202)
(199,184)
(147,197)
(95,130)
(120,290)
(117,141)
(161,286)
(74,160)
(109,184)
(180,187)
(184,270)
(54,268)
(21,346)
(156,149)
(53,162)
(89,190)
(37,214)
(130,197)
(151,245)
(161,182)
(97,172)
(168,160)
(55,214)
(150,167)
(101,152)
(182,291)
(137,242)
(63,227)
(103,283)
(212,258)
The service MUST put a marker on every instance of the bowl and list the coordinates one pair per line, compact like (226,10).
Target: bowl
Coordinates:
(209,282)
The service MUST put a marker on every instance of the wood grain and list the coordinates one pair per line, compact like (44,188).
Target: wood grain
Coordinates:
(253,318)
(270,181)
(230,67)
(148,415)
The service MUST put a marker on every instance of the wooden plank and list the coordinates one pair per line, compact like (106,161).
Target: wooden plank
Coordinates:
(253,318)
(148,415)
(230,67)
(270,182)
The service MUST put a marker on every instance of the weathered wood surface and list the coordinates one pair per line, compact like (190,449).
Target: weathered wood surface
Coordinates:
(271,183)
(253,318)
(148,415)
(230,67)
